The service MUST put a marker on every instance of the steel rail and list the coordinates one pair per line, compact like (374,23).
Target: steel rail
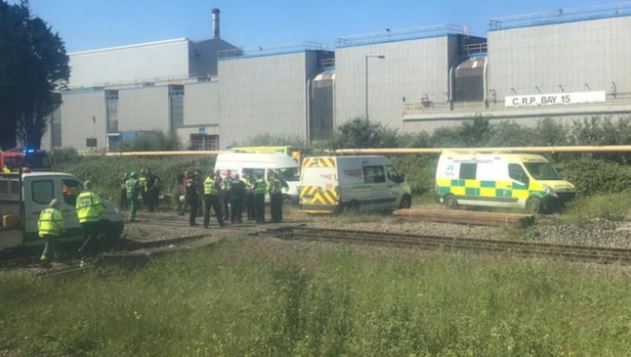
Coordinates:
(604,255)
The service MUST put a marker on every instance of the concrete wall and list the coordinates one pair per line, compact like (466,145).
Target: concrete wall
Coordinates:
(144,109)
(264,95)
(137,63)
(201,103)
(595,52)
(203,56)
(77,113)
(410,69)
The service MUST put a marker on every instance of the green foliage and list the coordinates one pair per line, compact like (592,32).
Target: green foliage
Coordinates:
(106,172)
(152,141)
(610,206)
(63,156)
(33,66)
(419,172)
(592,176)
(268,298)
(362,133)
(274,140)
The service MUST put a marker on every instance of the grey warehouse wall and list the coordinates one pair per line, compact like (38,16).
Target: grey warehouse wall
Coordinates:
(594,52)
(77,113)
(136,63)
(201,103)
(411,69)
(266,94)
(143,109)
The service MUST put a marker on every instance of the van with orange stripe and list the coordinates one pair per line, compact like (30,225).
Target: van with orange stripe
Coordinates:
(334,183)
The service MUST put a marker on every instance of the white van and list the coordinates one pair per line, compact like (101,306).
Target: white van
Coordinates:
(500,180)
(261,164)
(332,183)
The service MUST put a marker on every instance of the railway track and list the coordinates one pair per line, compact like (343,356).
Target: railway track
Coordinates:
(601,255)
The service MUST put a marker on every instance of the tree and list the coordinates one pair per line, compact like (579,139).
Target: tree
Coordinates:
(362,133)
(33,67)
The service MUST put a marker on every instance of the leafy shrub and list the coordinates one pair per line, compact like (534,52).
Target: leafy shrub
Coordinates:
(362,133)
(419,172)
(152,141)
(274,140)
(592,176)
(64,155)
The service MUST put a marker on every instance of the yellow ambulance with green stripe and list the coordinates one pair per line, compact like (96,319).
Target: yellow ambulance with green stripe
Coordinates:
(500,180)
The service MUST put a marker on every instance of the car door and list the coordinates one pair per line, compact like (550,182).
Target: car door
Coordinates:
(394,186)
(70,189)
(38,193)
(376,194)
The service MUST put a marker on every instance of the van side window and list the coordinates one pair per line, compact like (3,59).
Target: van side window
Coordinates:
(374,174)
(42,191)
(70,190)
(468,171)
(517,173)
(253,172)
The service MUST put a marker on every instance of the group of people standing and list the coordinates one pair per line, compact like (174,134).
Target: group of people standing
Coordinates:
(51,227)
(139,189)
(230,195)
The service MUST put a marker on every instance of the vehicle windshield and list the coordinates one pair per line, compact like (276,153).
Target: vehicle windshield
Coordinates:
(542,171)
(289,174)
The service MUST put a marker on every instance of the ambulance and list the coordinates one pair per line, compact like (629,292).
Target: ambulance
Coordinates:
(500,180)
(335,183)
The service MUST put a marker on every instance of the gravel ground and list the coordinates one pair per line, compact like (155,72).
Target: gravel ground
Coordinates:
(159,226)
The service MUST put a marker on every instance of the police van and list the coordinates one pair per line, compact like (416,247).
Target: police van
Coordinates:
(259,164)
(500,180)
(334,183)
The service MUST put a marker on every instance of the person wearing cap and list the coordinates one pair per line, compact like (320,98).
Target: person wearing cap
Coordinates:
(276,185)
(123,191)
(260,188)
(89,210)
(237,196)
(192,197)
(50,227)
(132,188)
(211,200)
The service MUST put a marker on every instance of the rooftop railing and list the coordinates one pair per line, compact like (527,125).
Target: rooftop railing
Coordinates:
(272,50)
(401,34)
(561,16)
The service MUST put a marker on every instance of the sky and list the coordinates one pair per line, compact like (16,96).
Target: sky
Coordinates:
(92,24)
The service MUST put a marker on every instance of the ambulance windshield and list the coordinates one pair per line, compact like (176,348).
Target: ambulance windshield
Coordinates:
(542,171)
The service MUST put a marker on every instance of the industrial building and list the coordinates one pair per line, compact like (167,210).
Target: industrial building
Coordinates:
(564,64)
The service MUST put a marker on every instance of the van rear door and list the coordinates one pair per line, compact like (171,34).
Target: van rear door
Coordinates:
(319,188)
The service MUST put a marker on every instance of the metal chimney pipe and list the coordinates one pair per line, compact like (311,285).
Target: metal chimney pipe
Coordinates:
(215,23)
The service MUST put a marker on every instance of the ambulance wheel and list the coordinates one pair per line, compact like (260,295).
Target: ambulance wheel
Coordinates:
(406,202)
(451,202)
(534,205)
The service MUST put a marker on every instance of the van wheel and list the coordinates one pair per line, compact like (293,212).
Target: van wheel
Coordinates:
(451,202)
(534,205)
(406,202)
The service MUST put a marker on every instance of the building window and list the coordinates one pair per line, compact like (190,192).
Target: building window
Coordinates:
(204,142)
(111,108)
(90,142)
(176,106)
(56,129)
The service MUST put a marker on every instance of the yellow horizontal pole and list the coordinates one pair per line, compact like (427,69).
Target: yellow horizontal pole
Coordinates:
(399,151)
(527,149)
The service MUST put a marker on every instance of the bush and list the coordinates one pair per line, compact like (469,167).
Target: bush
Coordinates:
(274,140)
(362,133)
(419,172)
(592,176)
(64,155)
(152,141)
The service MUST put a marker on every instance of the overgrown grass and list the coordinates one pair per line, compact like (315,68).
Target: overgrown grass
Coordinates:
(260,297)
(611,206)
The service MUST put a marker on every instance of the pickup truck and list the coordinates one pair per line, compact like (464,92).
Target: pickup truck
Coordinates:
(24,195)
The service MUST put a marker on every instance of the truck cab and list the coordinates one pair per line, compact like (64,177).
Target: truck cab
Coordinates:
(23,196)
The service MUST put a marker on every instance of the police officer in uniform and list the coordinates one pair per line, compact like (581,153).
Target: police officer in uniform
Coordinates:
(89,210)
(132,189)
(123,191)
(249,196)
(276,185)
(227,192)
(237,196)
(192,198)
(211,199)
(144,187)
(260,189)
(50,227)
